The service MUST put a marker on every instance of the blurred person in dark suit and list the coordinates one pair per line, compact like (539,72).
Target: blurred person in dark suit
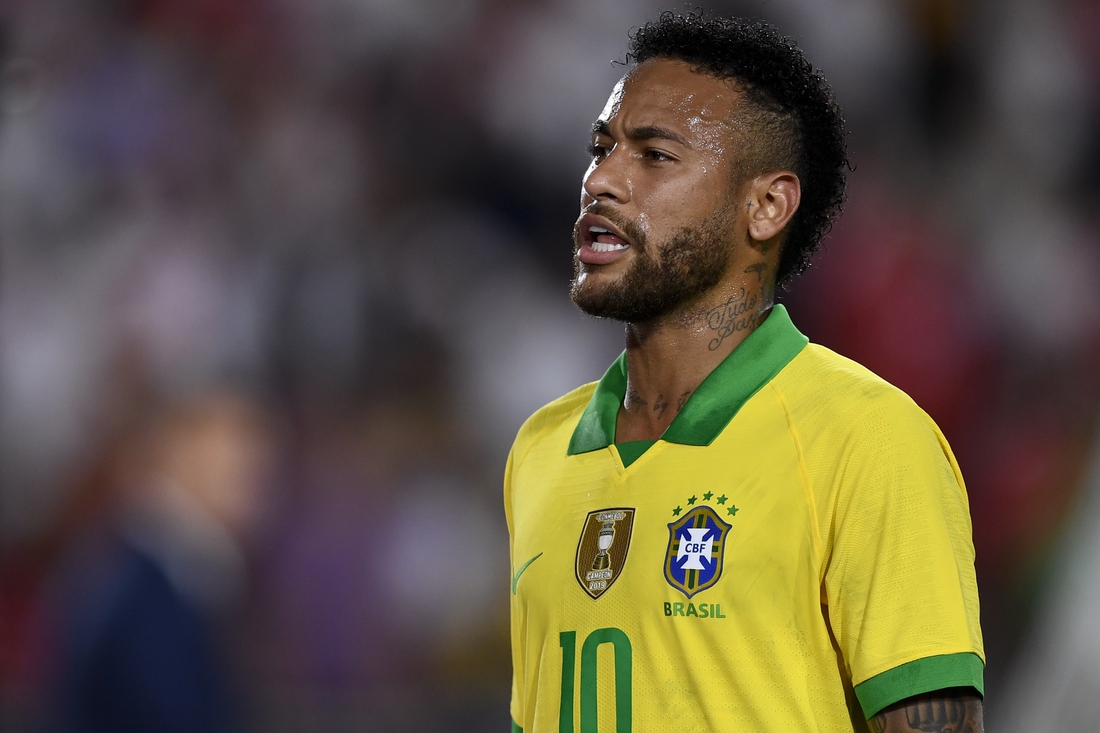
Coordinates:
(143,594)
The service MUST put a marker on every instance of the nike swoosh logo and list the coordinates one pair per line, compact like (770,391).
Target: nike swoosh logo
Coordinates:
(515,580)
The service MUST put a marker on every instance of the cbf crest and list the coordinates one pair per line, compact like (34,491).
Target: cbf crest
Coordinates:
(696,546)
(601,551)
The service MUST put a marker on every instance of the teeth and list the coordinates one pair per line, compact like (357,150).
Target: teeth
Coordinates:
(599,230)
(607,247)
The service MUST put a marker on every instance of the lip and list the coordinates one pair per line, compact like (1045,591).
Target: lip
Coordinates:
(589,256)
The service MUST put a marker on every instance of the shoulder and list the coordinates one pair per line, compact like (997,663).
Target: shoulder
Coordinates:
(564,411)
(820,384)
(841,411)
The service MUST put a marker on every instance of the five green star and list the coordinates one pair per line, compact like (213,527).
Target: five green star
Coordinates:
(731,510)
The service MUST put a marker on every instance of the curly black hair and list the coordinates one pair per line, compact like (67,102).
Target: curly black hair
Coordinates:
(791,113)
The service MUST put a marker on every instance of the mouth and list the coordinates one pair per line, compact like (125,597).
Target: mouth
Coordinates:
(601,242)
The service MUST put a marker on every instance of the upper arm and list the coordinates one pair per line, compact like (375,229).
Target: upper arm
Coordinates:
(516,706)
(899,579)
(957,710)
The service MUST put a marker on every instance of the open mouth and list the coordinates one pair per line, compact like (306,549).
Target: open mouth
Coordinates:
(605,240)
(600,237)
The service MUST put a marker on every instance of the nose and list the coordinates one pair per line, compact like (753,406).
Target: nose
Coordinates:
(607,179)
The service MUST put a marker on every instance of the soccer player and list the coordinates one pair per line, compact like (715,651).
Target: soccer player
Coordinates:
(733,530)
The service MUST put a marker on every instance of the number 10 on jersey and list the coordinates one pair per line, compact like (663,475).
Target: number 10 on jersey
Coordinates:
(623,656)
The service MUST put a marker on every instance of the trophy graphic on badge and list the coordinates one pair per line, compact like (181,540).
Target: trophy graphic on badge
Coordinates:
(597,566)
(603,542)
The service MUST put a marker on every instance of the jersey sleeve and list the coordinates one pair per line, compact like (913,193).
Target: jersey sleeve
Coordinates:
(899,580)
(516,704)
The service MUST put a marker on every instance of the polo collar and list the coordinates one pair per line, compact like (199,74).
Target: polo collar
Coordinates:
(717,400)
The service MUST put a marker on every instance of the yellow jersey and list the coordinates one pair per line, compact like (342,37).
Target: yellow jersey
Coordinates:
(794,553)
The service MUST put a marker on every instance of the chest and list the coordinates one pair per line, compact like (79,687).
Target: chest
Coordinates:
(692,532)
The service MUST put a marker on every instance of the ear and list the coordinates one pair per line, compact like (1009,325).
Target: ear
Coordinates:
(773,199)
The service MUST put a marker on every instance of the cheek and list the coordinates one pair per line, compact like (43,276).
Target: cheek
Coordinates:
(680,203)
(715,167)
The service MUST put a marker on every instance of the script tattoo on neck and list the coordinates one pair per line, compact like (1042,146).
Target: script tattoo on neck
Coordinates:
(760,268)
(682,401)
(660,406)
(740,312)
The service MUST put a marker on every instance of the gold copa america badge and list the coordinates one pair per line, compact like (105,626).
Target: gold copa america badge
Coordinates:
(601,552)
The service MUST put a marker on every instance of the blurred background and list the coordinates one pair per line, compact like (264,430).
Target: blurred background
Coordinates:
(279,281)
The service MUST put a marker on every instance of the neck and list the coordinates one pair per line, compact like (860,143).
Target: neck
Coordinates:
(667,359)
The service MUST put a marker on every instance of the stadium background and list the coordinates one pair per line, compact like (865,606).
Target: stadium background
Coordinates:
(341,227)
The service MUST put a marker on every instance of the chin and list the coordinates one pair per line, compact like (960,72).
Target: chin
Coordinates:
(610,302)
(591,298)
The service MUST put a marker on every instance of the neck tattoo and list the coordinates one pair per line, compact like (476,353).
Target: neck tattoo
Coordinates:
(742,311)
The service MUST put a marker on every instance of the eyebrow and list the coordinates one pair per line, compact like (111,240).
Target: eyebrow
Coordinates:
(645,132)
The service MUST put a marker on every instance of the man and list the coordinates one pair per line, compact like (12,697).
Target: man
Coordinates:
(144,594)
(733,530)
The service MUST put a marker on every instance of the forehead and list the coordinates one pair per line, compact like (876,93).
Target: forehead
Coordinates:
(668,91)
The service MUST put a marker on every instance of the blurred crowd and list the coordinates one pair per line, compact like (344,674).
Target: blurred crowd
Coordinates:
(279,281)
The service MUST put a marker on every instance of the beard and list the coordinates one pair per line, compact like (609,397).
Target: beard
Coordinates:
(661,279)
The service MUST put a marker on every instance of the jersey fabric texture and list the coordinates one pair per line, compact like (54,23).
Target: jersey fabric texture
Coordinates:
(794,553)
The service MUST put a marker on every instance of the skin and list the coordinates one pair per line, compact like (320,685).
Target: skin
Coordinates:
(217,450)
(956,710)
(665,155)
(665,150)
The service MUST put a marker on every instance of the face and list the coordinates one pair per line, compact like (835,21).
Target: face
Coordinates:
(223,458)
(658,214)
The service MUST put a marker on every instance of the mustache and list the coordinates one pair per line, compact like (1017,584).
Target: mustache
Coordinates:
(632,231)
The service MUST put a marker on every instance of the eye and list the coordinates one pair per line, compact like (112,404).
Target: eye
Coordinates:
(656,155)
(598,151)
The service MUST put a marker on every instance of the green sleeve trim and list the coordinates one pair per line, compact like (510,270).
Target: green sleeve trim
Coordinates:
(633,450)
(516,728)
(921,676)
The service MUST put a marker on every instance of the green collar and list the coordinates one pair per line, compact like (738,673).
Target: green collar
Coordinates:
(713,405)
